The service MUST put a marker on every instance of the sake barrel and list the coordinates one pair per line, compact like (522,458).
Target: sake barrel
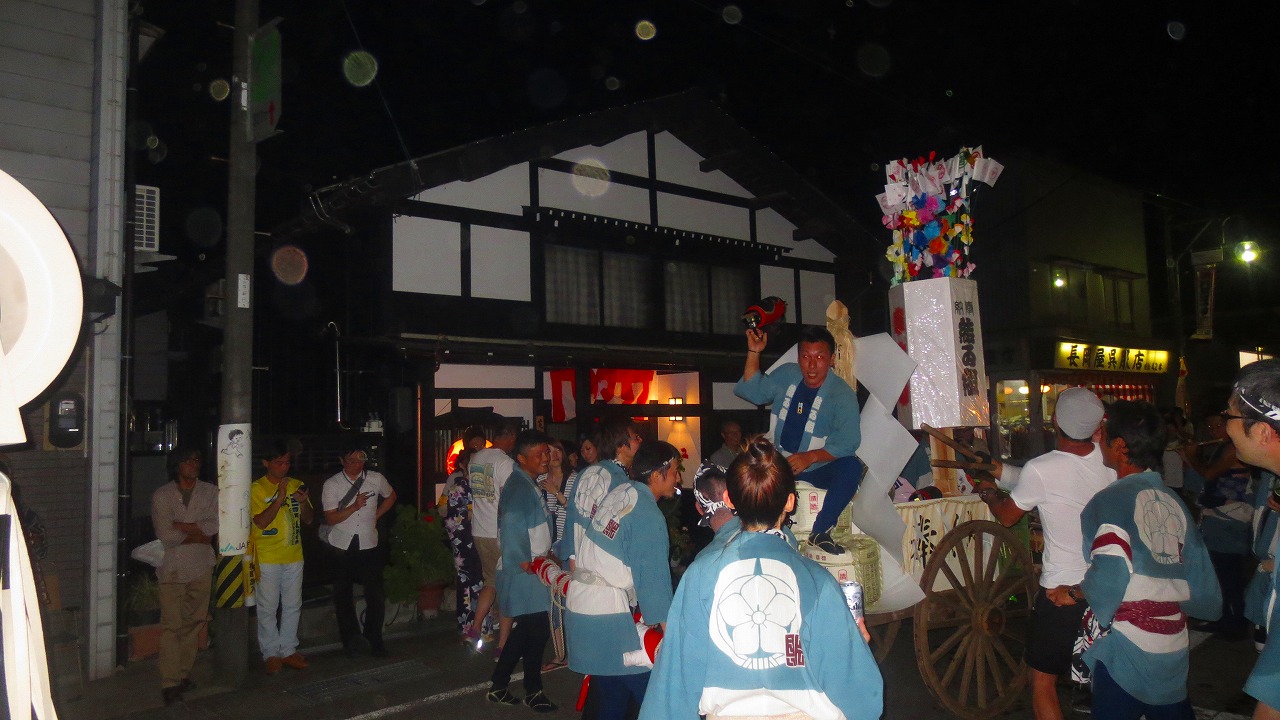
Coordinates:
(860,562)
(809,500)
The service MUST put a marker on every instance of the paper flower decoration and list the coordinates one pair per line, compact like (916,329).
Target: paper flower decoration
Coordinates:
(926,205)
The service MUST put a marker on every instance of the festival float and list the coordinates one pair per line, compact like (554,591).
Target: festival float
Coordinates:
(963,579)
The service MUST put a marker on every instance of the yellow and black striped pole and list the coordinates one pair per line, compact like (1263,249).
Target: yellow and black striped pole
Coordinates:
(230,582)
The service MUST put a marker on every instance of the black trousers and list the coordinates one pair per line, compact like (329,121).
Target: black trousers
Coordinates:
(528,642)
(364,567)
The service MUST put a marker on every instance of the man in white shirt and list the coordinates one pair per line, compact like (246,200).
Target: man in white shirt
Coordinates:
(1059,483)
(488,472)
(353,501)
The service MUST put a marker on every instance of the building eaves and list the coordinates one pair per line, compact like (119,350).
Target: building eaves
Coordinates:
(694,120)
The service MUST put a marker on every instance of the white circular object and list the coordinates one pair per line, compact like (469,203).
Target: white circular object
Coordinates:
(41,300)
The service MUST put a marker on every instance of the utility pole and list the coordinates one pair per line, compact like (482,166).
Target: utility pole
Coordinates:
(234,469)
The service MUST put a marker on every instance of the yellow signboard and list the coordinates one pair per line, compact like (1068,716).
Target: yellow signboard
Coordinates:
(1081,356)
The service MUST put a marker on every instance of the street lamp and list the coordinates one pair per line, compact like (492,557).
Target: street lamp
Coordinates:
(1247,251)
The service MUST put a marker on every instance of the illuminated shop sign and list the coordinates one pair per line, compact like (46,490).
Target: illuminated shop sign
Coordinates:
(1080,356)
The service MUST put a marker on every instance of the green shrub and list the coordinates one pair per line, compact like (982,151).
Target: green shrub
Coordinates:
(419,554)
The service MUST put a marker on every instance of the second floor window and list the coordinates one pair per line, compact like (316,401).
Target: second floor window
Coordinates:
(594,287)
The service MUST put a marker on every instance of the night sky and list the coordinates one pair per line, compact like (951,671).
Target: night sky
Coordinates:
(1174,98)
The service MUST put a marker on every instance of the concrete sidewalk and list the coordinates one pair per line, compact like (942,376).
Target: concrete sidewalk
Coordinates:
(425,650)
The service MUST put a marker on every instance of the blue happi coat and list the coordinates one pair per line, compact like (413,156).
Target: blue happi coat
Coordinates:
(1257,596)
(731,528)
(524,532)
(1264,681)
(833,421)
(592,484)
(760,630)
(1142,545)
(1262,602)
(621,561)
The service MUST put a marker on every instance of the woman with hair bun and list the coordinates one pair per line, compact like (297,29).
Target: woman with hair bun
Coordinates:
(758,630)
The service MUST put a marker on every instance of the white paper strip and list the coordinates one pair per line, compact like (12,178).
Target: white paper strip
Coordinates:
(235,474)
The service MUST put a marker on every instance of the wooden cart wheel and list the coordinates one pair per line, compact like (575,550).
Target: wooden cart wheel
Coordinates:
(970,629)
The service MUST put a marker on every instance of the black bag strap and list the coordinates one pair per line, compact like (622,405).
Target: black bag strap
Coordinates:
(351,493)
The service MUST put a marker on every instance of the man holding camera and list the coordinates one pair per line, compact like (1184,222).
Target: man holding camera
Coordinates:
(354,499)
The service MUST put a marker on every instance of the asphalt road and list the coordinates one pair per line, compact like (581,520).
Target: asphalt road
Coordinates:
(431,675)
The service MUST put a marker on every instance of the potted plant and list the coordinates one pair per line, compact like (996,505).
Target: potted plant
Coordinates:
(420,563)
(142,608)
(142,600)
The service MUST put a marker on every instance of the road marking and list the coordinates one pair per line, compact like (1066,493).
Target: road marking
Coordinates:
(433,699)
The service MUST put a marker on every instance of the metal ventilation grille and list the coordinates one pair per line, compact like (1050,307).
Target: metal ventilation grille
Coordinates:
(146,218)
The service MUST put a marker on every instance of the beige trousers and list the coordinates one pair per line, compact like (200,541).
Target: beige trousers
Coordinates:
(184,608)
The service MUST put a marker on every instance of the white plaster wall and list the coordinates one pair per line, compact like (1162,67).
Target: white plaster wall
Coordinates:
(426,256)
(677,163)
(722,398)
(558,190)
(817,290)
(774,229)
(628,154)
(484,376)
(779,281)
(702,216)
(505,191)
(681,385)
(499,263)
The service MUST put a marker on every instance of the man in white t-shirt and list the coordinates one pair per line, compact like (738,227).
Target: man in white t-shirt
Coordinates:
(354,499)
(1059,483)
(488,472)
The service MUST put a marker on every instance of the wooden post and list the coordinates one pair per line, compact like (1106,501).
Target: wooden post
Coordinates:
(943,478)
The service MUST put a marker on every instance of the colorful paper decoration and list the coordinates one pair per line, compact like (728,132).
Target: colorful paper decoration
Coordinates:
(926,204)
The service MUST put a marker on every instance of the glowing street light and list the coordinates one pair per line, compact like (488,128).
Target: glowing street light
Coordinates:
(1247,251)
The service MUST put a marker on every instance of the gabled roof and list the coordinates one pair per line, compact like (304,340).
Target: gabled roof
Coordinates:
(694,120)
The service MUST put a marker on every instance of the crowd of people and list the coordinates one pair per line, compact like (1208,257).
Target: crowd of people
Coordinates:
(1149,534)
(1145,532)
(184,514)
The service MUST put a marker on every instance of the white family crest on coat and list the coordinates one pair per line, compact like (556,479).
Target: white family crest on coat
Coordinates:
(615,506)
(1160,525)
(755,614)
(590,488)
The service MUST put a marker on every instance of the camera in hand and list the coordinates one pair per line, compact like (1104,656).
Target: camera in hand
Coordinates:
(764,313)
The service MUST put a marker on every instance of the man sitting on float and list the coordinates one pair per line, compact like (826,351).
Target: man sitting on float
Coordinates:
(814,420)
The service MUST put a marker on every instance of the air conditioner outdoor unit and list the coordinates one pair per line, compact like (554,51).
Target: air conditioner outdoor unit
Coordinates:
(146,218)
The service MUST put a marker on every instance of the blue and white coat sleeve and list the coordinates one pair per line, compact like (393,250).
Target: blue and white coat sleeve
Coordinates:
(524,532)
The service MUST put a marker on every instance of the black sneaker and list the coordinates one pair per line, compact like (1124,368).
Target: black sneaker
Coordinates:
(539,702)
(172,695)
(502,697)
(823,542)
(1259,637)
(186,684)
(356,646)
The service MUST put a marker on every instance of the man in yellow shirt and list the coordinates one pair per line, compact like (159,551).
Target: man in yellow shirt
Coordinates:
(279,506)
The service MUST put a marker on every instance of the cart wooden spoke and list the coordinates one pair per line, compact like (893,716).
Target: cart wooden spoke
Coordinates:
(969,630)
